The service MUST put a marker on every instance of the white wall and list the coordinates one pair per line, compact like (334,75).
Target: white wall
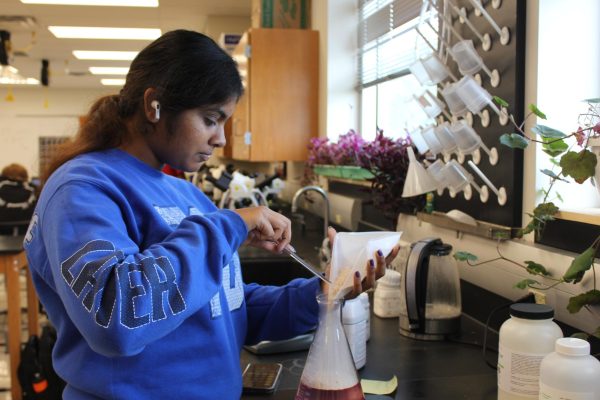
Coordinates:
(339,62)
(26,118)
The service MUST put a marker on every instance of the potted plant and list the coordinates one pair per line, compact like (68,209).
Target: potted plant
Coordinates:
(339,159)
(574,162)
(383,162)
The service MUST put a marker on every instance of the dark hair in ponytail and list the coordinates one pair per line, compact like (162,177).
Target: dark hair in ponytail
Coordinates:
(187,69)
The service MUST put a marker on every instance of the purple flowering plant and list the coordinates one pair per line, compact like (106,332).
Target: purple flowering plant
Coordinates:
(384,157)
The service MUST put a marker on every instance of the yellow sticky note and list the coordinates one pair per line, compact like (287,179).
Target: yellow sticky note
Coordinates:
(379,387)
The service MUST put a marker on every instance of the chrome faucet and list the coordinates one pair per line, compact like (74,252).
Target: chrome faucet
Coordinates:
(324,252)
(325,197)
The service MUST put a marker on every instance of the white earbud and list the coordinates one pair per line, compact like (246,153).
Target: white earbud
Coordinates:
(156,105)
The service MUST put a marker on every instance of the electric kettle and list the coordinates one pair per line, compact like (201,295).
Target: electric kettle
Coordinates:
(430,305)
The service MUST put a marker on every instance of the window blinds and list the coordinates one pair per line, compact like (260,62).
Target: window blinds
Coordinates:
(387,39)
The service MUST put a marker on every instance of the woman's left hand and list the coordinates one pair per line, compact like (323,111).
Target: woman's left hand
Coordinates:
(374,269)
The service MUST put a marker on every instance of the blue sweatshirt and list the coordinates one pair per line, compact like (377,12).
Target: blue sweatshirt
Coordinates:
(139,274)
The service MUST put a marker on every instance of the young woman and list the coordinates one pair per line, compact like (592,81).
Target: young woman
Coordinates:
(138,270)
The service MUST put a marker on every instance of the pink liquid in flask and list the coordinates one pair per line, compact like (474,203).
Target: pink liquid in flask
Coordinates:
(309,393)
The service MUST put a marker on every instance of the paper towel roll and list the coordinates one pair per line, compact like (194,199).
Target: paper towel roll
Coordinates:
(345,211)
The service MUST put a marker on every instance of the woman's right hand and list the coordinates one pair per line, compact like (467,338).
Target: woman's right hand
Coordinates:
(267,229)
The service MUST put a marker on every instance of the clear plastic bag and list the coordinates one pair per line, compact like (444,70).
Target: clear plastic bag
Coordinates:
(350,253)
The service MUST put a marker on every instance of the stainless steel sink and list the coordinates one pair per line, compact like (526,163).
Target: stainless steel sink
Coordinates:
(276,271)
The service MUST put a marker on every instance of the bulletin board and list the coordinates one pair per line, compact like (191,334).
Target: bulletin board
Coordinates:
(509,60)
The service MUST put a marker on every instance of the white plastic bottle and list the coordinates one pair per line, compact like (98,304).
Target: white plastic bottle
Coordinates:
(570,372)
(387,296)
(525,339)
(354,321)
(364,298)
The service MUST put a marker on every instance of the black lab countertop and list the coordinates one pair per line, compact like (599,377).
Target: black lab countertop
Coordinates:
(449,370)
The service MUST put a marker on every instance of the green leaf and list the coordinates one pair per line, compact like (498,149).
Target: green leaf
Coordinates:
(554,147)
(590,298)
(536,269)
(547,132)
(465,256)
(533,108)
(545,210)
(579,166)
(554,161)
(530,227)
(559,197)
(579,265)
(594,100)
(543,213)
(500,101)
(552,175)
(514,140)
(525,283)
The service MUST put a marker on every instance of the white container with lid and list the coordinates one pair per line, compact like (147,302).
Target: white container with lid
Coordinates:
(387,296)
(364,298)
(354,321)
(570,372)
(525,339)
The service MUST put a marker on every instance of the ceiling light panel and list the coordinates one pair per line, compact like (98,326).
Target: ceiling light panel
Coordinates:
(24,81)
(112,82)
(109,70)
(88,32)
(104,55)
(9,75)
(111,3)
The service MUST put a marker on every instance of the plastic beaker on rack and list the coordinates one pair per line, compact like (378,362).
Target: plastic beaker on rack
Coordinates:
(472,94)
(429,70)
(467,140)
(467,58)
(416,136)
(445,137)
(435,147)
(435,171)
(456,105)
(329,372)
(455,176)
(430,104)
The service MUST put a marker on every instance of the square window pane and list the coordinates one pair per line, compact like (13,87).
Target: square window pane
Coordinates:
(397,111)
(369,113)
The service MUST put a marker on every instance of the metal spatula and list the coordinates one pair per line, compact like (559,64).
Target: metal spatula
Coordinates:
(289,250)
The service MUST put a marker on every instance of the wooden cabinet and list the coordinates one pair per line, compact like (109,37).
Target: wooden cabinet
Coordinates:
(278,113)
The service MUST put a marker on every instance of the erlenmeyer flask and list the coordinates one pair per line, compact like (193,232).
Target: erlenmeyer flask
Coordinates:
(329,372)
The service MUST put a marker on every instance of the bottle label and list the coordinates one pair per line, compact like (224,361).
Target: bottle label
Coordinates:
(518,373)
(550,393)
(356,334)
